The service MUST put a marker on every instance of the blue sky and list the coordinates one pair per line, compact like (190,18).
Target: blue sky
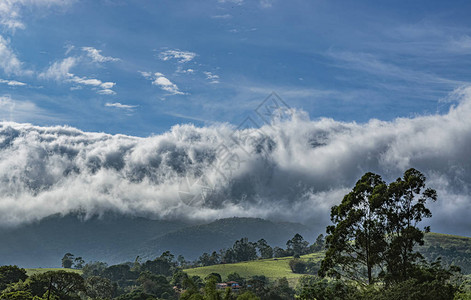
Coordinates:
(140,67)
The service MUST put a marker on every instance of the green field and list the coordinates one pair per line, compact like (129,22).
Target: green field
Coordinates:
(33,271)
(273,268)
(277,268)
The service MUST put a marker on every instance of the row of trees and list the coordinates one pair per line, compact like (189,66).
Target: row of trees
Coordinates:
(244,250)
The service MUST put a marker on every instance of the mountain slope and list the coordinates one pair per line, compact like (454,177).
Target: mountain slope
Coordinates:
(191,242)
(116,238)
(113,238)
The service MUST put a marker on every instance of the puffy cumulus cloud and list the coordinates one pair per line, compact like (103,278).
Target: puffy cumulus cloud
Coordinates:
(180,56)
(290,170)
(163,82)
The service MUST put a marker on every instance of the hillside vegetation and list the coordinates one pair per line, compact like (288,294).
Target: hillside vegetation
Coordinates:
(273,268)
(456,248)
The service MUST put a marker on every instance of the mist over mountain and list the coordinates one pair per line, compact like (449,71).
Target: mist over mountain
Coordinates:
(291,170)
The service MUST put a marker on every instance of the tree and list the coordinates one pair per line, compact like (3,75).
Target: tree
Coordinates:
(98,287)
(63,284)
(11,274)
(323,289)
(68,260)
(281,290)
(297,245)
(234,276)
(244,250)
(153,284)
(214,275)
(356,241)
(405,209)
(181,261)
(94,269)
(248,295)
(376,228)
(160,265)
(265,250)
(78,262)
(318,245)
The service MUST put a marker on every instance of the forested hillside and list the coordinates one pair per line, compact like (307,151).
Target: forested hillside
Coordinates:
(115,238)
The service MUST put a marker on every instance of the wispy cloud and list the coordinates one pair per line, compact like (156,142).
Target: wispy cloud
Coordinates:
(180,56)
(20,111)
(213,78)
(225,16)
(238,2)
(96,56)
(61,71)
(9,62)
(12,82)
(121,106)
(370,63)
(163,82)
(11,10)
(266,3)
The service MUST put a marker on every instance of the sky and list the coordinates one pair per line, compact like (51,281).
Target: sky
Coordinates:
(140,67)
(140,106)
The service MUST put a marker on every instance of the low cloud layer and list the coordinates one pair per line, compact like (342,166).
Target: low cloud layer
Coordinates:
(293,170)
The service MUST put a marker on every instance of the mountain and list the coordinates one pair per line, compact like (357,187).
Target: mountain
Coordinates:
(112,238)
(191,242)
(117,238)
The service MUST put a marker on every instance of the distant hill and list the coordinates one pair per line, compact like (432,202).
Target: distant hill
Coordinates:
(113,238)
(116,238)
(191,242)
(452,249)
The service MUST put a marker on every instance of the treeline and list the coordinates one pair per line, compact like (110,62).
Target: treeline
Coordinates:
(244,250)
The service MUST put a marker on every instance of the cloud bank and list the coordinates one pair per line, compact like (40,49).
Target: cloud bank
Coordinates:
(292,170)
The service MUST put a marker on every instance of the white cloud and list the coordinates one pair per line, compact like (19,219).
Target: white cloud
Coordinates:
(266,3)
(163,82)
(293,170)
(12,82)
(213,78)
(61,71)
(238,2)
(106,92)
(119,105)
(180,56)
(11,10)
(96,56)
(19,111)
(225,16)
(9,62)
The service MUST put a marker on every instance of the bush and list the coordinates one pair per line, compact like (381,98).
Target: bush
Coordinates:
(298,266)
